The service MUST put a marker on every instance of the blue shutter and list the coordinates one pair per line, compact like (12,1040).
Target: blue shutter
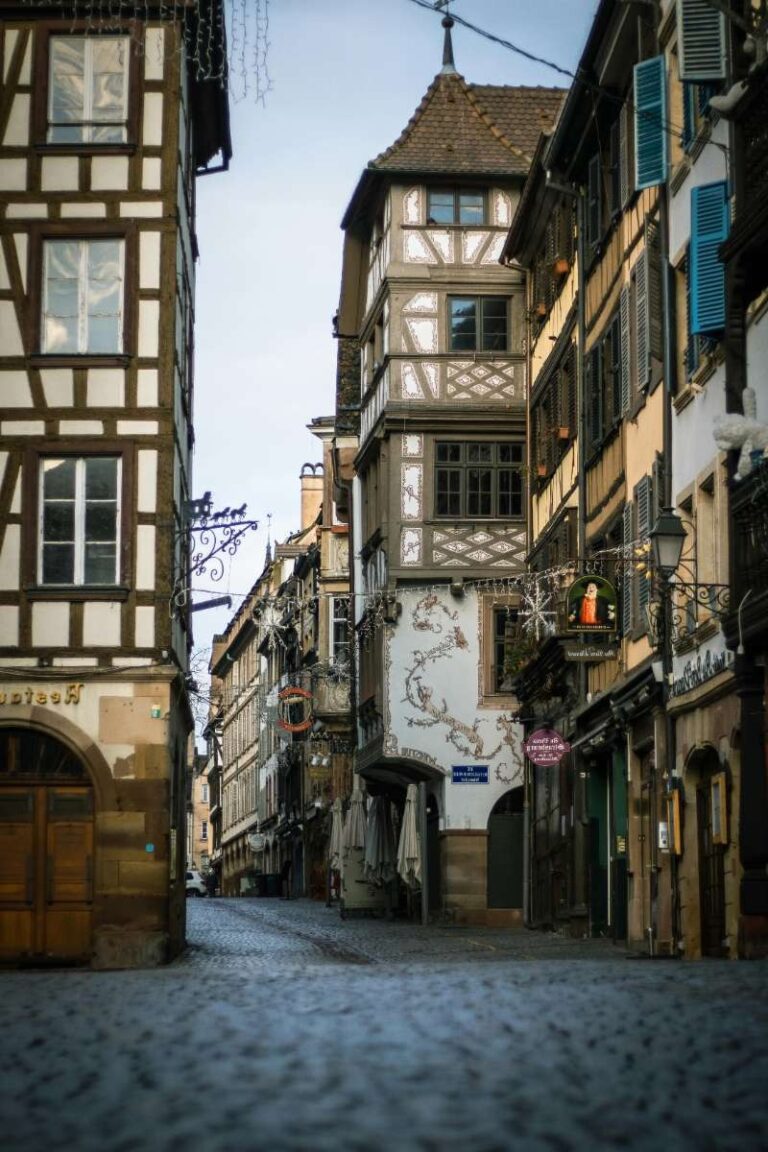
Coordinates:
(650,122)
(709,228)
(700,40)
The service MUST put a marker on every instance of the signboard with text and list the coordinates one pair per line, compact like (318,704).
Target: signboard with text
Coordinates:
(545,747)
(469,774)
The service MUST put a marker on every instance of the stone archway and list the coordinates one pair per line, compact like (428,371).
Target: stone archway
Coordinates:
(47,833)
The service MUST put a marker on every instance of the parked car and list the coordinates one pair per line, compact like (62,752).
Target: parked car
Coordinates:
(195,885)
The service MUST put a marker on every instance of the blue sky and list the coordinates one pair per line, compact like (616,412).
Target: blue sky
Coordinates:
(346,75)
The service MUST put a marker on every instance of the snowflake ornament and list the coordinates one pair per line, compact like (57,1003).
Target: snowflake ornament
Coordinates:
(538,618)
(271,628)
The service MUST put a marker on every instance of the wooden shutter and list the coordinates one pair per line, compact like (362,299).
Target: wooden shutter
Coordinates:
(626,377)
(642,343)
(709,228)
(626,176)
(626,599)
(700,40)
(654,271)
(643,503)
(650,122)
(593,396)
(593,201)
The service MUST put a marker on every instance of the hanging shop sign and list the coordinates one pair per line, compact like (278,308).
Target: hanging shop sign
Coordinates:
(591,605)
(257,842)
(545,747)
(469,774)
(294,709)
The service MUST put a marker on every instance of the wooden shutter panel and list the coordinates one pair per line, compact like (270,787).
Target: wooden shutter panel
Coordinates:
(700,40)
(650,122)
(594,387)
(626,379)
(626,182)
(626,599)
(643,502)
(709,228)
(655,315)
(593,201)
(643,346)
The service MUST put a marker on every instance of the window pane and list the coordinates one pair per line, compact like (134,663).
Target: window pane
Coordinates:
(100,522)
(440,207)
(104,296)
(103,335)
(471,205)
(108,85)
(66,88)
(58,564)
(448,492)
(510,453)
(448,453)
(59,521)
(463,324)
(479,490)
(59,479)
(494,325)
(101,478)
(100,565)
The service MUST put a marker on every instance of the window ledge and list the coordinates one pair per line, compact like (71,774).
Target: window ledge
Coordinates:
(82,360)
(44,149)
(76,592)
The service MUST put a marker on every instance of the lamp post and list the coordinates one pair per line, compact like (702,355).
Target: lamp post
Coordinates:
(667,538)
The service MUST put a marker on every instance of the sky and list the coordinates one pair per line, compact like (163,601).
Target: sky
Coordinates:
(345,77)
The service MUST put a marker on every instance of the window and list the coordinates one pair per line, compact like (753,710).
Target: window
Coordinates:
(88,90)
(696,99)
(603,384)
(508,648)
(204,794)
(478,324)
(204,830)
(82,304)
(454,206)
(553,416)
(474,480)
(79,520)
(339,653)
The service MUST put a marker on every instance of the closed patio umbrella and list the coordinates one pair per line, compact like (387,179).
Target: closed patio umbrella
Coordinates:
(409,848)
(336,845)
(379,842)
(354,826)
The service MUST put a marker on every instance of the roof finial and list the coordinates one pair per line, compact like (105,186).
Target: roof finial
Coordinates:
(448,65)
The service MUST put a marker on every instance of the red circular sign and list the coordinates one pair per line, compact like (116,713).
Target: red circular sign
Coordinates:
(545,747)
(290,702)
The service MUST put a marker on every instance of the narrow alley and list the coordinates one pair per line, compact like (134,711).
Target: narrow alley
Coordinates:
(284,1027)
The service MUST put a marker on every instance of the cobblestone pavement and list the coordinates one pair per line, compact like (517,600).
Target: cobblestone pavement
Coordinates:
(285,1028)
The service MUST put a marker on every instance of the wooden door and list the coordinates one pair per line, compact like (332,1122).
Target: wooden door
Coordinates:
(46,872)
(711,877)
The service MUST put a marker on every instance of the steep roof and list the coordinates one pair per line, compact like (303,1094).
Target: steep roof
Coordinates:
(464,128)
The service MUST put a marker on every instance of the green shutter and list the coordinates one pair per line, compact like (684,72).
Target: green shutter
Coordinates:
(654,274)
(700,40)
(709,228)
(650,122)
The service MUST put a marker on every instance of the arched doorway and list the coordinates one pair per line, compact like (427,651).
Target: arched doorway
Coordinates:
(46,849)
(505,851)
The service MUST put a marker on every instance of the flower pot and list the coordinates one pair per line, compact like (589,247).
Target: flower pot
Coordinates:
(560,268)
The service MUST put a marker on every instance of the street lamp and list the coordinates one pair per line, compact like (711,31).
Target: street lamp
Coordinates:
(667,538)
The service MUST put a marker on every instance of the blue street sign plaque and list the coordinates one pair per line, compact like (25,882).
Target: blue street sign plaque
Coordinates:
(469,773)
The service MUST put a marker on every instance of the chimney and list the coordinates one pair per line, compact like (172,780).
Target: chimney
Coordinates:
(311,494)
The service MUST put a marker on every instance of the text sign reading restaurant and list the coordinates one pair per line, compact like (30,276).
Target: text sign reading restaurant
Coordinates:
(545,747)
(469,773)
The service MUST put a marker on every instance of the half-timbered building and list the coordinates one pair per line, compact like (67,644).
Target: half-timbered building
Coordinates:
(104,125)
(439,496)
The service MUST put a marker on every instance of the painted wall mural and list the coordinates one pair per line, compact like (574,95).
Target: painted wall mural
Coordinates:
(433,657)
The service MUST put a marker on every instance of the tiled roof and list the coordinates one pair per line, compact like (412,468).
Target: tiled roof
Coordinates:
(472,128)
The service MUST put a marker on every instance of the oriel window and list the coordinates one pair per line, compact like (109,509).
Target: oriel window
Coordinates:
(478,480)
(455,206)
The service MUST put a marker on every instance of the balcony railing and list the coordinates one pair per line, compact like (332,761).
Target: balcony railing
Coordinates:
(749,504)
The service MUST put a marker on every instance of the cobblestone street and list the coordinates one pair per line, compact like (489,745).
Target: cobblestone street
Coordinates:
(284,1027)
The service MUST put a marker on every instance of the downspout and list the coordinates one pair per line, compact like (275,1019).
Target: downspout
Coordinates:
(669,328)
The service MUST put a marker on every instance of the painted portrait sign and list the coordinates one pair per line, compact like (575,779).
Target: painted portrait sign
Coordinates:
(591,605)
